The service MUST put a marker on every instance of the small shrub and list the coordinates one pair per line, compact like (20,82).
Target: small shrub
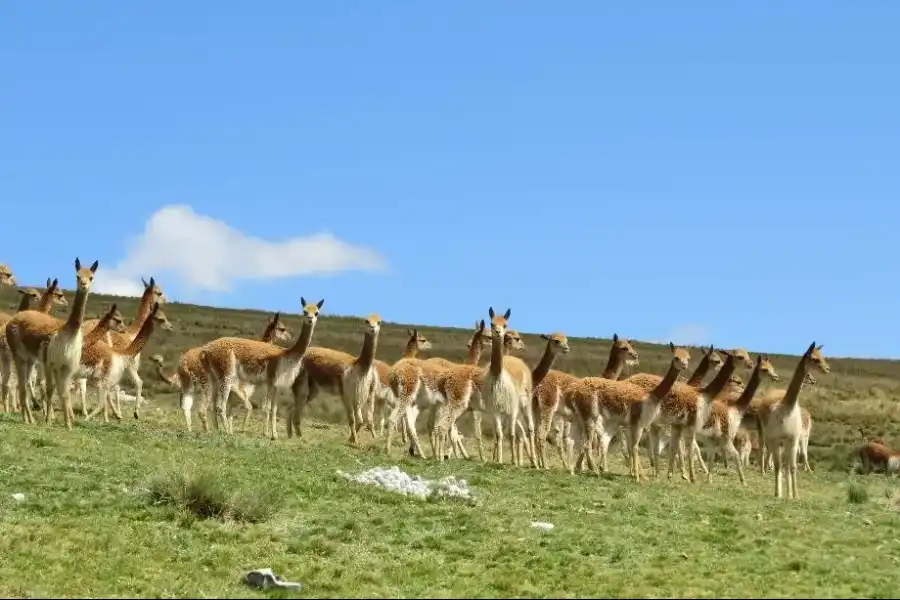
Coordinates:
(857,494)
(204,495)
(42,442)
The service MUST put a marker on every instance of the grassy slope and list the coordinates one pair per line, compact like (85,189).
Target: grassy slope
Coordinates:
(86,527)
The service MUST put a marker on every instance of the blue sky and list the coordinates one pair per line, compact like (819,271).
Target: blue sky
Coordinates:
(696,171)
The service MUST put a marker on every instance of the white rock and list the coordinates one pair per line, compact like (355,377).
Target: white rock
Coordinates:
(18,496)
(392,479)
(542,525)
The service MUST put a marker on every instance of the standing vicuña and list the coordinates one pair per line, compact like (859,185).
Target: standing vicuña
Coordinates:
(506,391)
(34,336)
(353,378)
(120,341)
(190,376)
(229,360)
(782,423)
(104,364)
(51,296)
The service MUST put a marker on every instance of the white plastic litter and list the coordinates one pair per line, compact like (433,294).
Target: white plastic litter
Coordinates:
(542,525)
(18,496)
(265,578)
(393,479)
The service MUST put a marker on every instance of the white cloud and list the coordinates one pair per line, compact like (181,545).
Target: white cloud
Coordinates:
(688,334)
(208,254)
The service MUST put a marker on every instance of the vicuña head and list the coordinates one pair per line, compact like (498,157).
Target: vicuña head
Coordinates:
(84,277)
(421,342)
(624,350)
(766,367)
(114,318)
(372,324)
(558,341)
(742,356)
(58,298)
(715,360)
(6,276)
(512,341)
(155,290)
(33,294)
(159,318)
(499,323)
(681,356)
(311,311)
(810,380)
(281,332)
(479,336)
(814,357)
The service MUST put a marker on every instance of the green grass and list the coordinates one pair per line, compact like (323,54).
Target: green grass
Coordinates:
(146,509)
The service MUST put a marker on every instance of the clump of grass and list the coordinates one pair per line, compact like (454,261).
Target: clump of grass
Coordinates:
(856,493)
(204,495)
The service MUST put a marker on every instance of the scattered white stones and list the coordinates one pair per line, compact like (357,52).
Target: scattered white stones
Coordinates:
(392,479)
(542,525)
(18,497)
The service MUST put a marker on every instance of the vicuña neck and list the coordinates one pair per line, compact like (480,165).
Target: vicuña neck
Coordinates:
(715,387)
(46,302)
(98,332)
(496,366)
(144,309)
(752,386)
(668,381)
(701,371)
(76,315)
(367,354)
(24,303)
(169,379)
(138,343)
(303,340)
(412,348)
(543,367)
(475,351)
(615,364)
(792,395)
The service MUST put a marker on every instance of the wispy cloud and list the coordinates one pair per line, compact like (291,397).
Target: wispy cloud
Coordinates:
(210,255)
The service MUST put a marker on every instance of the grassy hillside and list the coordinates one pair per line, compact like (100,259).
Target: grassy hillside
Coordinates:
(98,519)
(858,393)
(146,509)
